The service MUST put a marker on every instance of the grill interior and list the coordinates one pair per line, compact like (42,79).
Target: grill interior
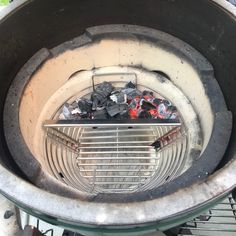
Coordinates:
(110,157)
(114,156)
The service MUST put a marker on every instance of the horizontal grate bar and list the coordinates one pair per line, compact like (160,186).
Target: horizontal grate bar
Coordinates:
(120,136)
(116,176)
(115,142)
(116,170)
(112,123)
(96,131)
(213,223)
(117,164)
(214,209)
(117,152)
(116,158)
(117,182)
(115,147)
(209,229)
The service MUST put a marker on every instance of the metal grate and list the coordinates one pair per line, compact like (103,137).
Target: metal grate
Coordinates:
(117,158)
(114,157)
(219,221)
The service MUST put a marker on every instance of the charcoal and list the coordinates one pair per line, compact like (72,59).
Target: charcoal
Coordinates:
(116,109)
(147,93)
(124,103)
(167,103)
(144,115)
(66,111)
(74,105)
(85,116)
(131,93)
(110,103)
(174,116)
(133,113)
(130,85)
(98,102)
(147,105)
(113,110)
(85,105)
(172,108)
(134,103)
(157,101)
(101,114)
(100,94)
(76,111)
(122,115)
(119,97)
(76,116)
(163,111)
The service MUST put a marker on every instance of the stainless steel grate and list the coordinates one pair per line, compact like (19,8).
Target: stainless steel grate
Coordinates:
(118,165)
(114,157)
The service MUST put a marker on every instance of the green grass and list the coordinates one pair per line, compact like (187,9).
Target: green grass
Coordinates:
(4,2)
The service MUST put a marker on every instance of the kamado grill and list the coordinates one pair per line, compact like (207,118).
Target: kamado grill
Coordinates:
(114,122)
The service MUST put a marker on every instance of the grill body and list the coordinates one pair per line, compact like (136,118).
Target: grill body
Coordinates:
(213,35)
